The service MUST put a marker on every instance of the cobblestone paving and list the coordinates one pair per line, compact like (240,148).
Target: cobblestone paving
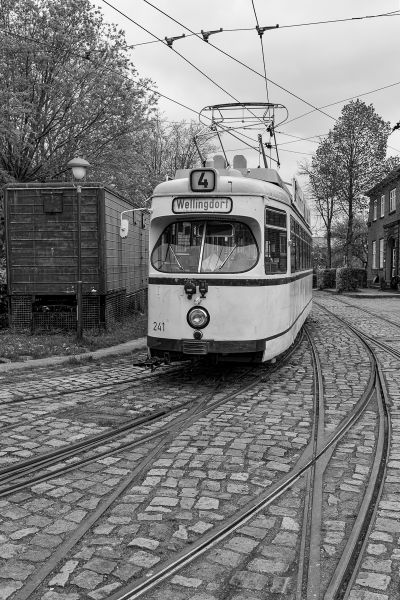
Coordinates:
(345,366)
(203,476)
(378,578)
(34,426)
(345,482)
(208,471)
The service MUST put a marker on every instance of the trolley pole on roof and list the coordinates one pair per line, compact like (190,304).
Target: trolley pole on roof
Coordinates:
(262,151)
(79,166)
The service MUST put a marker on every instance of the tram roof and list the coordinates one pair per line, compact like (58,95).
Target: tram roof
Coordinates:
(259,181)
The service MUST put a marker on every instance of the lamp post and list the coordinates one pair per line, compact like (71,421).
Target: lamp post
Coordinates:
(78,166)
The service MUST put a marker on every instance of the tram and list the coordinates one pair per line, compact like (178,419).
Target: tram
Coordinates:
(230,274)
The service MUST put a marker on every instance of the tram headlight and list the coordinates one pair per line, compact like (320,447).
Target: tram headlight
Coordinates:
(198,317)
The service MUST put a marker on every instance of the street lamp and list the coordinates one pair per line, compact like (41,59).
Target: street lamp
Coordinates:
(78,166)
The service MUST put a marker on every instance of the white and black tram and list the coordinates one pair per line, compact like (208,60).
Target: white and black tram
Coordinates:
(230,265)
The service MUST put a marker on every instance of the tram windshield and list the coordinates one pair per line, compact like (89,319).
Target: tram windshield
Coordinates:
(205,247)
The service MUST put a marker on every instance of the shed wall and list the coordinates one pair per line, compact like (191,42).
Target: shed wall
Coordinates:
(42,233)
(126,258)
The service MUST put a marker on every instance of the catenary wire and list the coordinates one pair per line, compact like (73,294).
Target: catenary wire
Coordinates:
(231,57)
(385,87)
(146,88)
(178,54)
(395,13)
(260,33)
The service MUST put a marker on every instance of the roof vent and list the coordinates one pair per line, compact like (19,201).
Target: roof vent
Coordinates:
(219,162)
(239,162)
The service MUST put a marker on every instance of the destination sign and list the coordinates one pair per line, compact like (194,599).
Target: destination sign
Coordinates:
(201,205)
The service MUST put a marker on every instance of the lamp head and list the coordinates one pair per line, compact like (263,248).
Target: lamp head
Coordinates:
(78,166)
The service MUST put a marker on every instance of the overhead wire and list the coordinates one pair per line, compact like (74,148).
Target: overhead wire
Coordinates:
(395,13)
(176,52)
(233,58)
(385,87)
(86,56)
(110,70)
(260,33)
(130,79)
(186,60)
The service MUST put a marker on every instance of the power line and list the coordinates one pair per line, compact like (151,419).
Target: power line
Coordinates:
(170,45)
(395,13)
(300,139)
(228,55)
(385,87)
(261,33)
(87,57)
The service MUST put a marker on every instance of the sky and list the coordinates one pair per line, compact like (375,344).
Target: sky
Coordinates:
(306,64)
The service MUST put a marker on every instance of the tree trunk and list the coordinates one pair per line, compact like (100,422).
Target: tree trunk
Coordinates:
(328,249)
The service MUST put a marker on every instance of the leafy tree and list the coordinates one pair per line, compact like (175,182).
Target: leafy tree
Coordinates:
(155,154)
(323,187)
(347,163)
(359,244)
(68,88)
(360,138)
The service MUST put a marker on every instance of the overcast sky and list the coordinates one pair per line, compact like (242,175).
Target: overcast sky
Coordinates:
(320,64)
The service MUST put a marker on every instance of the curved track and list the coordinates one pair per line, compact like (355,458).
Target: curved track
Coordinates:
(275,445)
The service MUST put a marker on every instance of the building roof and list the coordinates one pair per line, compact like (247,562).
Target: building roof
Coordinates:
(395,174)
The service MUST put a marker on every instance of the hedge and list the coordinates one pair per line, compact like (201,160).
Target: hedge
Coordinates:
(349,279)
(326,278)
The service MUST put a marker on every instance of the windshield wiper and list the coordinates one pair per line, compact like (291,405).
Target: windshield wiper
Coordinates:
(175,257)
(220,267)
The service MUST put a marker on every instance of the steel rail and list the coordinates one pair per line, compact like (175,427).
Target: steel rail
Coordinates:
(308,582)
(25,468)
(369,312)
(88,388)
(220,532)
(32,584)
(13,471)
(347,568)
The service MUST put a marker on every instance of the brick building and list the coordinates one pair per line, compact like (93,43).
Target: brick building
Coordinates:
(384,230)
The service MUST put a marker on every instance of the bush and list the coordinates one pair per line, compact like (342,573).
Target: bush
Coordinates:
(349,279)
(326,278)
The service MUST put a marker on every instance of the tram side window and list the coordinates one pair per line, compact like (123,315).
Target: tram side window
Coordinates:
(275,250)
(300,249)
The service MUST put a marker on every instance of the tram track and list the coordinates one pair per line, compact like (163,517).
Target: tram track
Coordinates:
(318,451)
(139,376)
(182,422)
(19,475)
(314,457)
(309,582)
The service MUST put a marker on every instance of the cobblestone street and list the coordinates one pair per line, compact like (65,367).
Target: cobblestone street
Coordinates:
(233,467)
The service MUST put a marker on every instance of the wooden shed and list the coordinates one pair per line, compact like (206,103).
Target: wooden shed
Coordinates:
(44,259)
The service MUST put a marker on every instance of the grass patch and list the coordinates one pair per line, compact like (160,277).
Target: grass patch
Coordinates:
(16,346)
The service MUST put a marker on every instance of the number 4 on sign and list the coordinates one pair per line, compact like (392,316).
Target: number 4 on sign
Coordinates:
(202,180)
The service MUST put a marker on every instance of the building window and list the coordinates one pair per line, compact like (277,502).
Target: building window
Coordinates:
(374,209)
(392,200)
(383,205)
(381,253)
(374,255)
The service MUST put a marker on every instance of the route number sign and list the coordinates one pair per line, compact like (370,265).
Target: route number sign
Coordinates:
(203,180)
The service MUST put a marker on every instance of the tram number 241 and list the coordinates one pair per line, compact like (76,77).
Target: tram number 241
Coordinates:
(158,326)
